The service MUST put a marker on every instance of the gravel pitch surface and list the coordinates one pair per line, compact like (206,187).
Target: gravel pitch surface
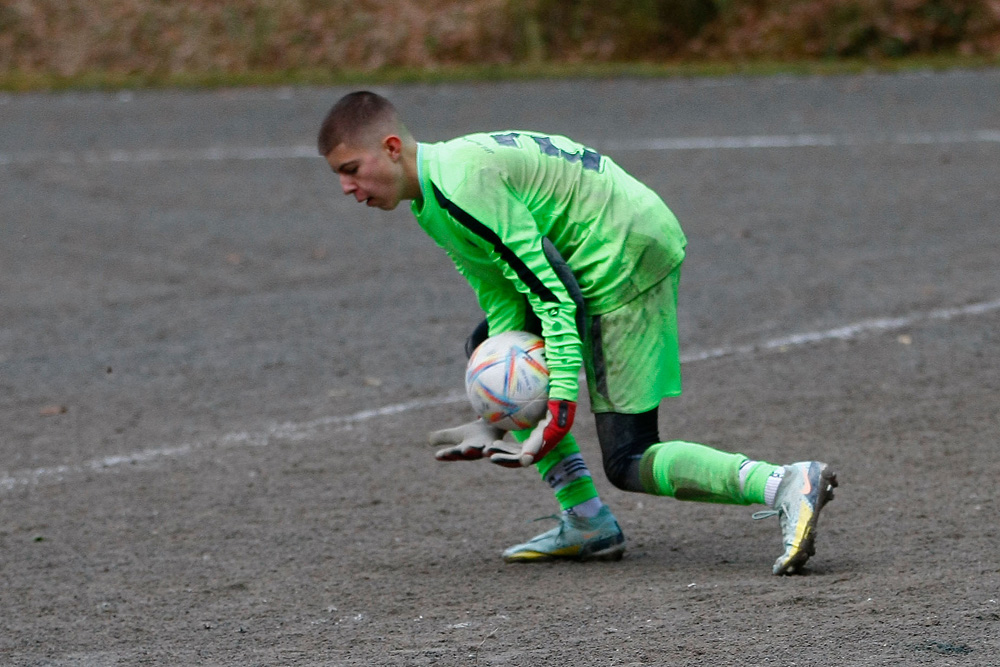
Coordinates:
(218,374)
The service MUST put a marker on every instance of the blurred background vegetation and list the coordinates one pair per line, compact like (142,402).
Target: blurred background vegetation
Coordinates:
(146,41)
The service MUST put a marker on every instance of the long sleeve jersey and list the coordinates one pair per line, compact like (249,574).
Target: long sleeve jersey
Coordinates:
(489,199)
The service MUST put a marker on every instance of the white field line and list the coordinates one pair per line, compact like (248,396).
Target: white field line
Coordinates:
(804,141)
(283,431)
(847,332)
(292,431)
(213,154)
(222,153)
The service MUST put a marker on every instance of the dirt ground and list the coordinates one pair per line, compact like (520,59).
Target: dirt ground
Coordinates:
(218,374)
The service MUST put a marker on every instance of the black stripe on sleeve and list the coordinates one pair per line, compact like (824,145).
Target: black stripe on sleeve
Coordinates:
(533,282)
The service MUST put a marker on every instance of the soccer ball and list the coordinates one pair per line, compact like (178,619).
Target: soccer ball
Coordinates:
(507,380)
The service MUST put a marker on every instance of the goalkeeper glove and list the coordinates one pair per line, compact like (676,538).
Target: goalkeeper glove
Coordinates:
(467,441)
(546,435)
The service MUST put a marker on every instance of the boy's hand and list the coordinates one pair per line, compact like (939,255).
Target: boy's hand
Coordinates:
(467,441)
(546,435)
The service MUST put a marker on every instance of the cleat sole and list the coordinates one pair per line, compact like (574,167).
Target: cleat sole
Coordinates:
(614,552)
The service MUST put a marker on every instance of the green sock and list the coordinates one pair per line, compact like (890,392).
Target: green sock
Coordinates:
(564,470)
(689,471)
(760,481)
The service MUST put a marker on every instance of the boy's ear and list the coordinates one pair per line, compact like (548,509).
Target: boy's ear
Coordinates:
(393,146)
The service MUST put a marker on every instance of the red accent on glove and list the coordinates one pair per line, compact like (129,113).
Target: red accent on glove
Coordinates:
(563,413)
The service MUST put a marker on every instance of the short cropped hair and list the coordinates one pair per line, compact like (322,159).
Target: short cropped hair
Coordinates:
(353,115)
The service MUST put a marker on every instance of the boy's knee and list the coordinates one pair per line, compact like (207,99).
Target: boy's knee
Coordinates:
(622,473)
(624,439)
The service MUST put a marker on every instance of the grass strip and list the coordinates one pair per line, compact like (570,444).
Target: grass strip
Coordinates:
(111,81)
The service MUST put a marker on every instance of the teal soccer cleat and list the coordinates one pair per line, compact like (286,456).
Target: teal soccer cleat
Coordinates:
(806,487)
(575,538)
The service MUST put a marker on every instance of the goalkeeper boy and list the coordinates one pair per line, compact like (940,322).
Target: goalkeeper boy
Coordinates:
(557,239)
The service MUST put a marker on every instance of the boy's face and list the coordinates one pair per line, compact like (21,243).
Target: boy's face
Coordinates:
(373,174)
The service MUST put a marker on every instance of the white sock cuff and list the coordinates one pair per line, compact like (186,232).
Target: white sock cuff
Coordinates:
(588,509)
(569,469)
(771,487)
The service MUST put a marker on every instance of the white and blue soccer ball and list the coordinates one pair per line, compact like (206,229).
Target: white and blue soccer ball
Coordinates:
(507,380)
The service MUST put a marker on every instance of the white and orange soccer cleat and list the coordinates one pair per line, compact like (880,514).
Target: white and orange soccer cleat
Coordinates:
(806,487)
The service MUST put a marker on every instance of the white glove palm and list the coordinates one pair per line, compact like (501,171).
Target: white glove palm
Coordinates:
(467,442)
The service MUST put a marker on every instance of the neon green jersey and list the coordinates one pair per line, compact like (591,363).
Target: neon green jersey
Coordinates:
(489,199)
